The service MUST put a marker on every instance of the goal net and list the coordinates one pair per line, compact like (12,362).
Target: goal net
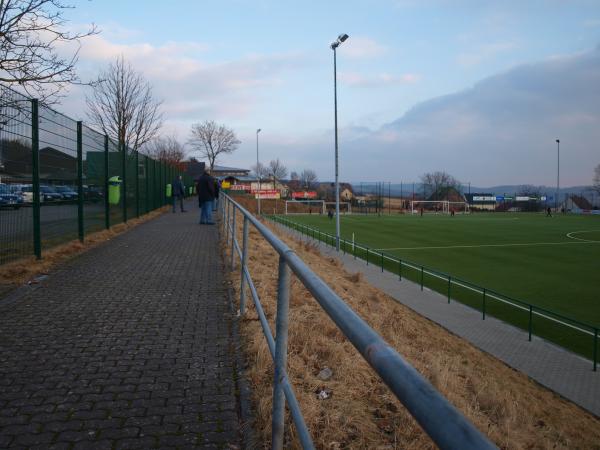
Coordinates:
(345,207)
(438,207)
(304,207)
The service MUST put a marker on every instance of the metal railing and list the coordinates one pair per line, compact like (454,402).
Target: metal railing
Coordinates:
(573,334)
(446,426)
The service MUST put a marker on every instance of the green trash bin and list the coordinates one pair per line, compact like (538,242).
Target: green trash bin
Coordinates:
(169,190)
(191,190)
(114,190)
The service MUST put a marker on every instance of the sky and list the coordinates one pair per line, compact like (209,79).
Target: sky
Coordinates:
(476,88)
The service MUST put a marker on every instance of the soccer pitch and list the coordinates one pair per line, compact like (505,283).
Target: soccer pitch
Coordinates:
(550,262)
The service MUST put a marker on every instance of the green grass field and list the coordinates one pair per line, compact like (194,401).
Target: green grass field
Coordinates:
(552,263)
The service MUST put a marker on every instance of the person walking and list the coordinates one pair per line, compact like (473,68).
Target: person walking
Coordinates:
(217,189)
(178,192)
(206,196)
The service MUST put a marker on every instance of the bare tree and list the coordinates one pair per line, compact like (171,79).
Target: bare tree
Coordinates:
(123,107)
(277,171)
(30,33)
(308,178)
(167,149)
(596,179)
(211,140)
(438,184)
(260,171)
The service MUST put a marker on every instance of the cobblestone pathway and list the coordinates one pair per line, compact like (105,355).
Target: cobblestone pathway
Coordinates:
(126,346)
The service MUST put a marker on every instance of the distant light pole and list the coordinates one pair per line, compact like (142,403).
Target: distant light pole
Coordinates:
(557,173)
(341,38)
(257,173)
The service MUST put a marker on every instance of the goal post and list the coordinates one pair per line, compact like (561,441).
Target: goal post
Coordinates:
(438,206)
(304,207)
(345,207)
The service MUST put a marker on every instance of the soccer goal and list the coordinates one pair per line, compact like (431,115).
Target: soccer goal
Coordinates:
(458,207)
(438,206)
(304,207)
(345,207)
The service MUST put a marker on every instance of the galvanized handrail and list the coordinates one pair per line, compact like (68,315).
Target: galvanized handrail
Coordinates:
(592,331)
(446,426)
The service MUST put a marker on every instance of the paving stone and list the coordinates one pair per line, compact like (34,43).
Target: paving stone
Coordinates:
(114,349)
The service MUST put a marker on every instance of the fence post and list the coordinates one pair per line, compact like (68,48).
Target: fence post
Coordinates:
(80,180)
(422,272)
(147,175)
(124,182)
(400,269)
(595,348)
(449,284)
(354,250)
(233,238)
(281,326)
(530,324)
(367,256)
(483,306)
(137,184)
(244,262)
(35,177)
(106,172)
(381,262)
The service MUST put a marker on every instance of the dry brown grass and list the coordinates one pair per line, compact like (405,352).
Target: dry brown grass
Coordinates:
(511,409)
(26,269)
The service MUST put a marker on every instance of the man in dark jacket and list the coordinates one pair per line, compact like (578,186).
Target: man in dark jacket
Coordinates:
(206,196)
(178,192)
(216,201)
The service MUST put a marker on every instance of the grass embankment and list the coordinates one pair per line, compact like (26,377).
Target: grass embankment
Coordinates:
(25,270)
(512,410)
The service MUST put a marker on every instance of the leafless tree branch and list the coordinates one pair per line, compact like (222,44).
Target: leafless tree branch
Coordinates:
(210,140)
(123,107)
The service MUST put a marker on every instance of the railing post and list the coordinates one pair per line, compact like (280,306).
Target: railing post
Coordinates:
(80,180)
(106,172)
(281,327)
(242,272)
(367,256)
(530,324)
(422,271)
(400,270)
(483,306)
(233,238)
(35,177)
(595,348)
(381,262)
(449,284)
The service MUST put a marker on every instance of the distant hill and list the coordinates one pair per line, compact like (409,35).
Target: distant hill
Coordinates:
(406,189)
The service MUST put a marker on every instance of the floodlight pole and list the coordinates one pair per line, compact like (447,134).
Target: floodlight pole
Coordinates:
(557,173)
(257,173)
(341,38)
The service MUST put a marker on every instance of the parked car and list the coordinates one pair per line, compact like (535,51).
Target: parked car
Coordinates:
(67,192)
(26,191)
(48,194)
(7,198)
(17,189)
(93,193)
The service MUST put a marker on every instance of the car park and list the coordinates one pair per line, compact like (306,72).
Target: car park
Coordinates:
(67,192)
(8,198)
(48,194)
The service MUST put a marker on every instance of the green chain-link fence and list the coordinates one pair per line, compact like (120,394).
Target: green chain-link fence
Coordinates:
(61,180)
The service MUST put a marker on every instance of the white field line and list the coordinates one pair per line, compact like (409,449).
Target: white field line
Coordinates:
(489,245)
(569,235)
(471,288)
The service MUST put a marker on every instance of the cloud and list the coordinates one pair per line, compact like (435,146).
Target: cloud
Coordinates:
(483,53)
(360,47)
(500,131)
(191,88)
(379,80)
